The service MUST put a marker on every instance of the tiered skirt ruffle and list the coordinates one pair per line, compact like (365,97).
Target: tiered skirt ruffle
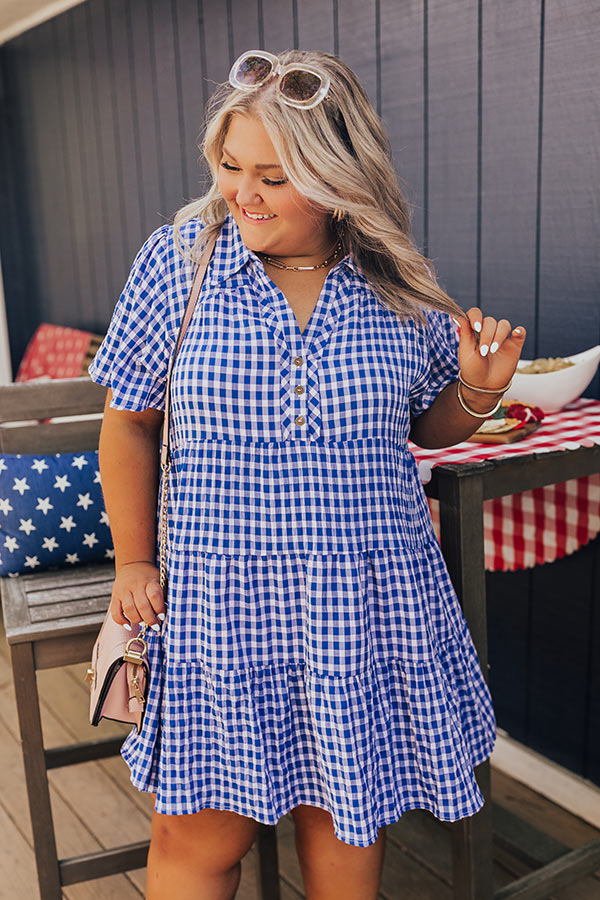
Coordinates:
(364,735)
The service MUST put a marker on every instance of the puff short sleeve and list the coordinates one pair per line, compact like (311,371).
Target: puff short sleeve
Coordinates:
(133,358)
(440,360)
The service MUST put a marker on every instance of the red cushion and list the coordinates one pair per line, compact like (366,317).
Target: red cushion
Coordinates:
(55,351)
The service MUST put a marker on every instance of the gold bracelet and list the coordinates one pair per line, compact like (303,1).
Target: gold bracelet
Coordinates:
(501,390)
(472,412)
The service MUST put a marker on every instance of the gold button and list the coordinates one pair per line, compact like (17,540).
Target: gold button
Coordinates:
(298,361)
(300,420)
(299,389)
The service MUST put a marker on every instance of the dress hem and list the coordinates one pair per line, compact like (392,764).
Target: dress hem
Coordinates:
(390,819)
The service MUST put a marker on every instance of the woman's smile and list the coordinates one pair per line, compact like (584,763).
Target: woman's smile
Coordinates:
(257,217)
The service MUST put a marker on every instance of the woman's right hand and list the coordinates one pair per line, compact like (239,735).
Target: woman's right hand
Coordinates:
(137,595)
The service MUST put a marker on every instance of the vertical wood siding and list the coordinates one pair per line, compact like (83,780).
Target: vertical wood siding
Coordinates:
(492,112)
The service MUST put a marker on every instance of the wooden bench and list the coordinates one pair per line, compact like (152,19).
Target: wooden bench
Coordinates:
(52,619)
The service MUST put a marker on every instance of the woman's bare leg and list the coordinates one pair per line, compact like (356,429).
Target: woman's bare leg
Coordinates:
(331,869)
(198,856)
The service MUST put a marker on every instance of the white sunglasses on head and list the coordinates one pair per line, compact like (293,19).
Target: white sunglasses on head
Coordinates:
(299,85)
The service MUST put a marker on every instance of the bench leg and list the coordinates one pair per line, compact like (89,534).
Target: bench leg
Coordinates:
(36,776)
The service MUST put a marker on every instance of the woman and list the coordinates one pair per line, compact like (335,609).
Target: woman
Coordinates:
(314,657)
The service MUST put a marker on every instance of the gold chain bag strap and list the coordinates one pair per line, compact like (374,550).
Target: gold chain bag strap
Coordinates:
(118,673)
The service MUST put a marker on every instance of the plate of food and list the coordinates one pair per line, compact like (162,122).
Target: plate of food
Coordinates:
(553,382)
(511,422)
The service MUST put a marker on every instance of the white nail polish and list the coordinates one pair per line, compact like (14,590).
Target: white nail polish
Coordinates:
(127,626)
(484,349)
(477,326)
(494,347)
(155,627)
(160,616)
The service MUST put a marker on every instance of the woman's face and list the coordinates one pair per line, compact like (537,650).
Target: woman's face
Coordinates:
(253,183)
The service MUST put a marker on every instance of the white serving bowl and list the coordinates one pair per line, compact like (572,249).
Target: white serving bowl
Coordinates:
(553,390)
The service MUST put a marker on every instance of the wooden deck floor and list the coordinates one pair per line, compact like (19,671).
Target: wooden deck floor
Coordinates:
(418,863)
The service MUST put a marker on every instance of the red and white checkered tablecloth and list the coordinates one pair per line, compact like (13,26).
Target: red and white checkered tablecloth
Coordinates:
(544,524)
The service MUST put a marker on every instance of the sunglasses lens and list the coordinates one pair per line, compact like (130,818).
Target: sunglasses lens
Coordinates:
(299,85)
(253,70)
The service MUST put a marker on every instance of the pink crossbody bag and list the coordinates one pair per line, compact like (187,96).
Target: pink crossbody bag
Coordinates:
(118,673)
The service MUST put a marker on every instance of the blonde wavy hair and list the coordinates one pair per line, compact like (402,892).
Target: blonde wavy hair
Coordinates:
(337,155)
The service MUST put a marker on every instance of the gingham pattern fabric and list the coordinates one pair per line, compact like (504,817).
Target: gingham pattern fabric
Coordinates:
(314,650)
(544,524)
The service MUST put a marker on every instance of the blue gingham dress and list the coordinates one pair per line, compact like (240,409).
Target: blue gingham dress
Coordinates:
(314,650)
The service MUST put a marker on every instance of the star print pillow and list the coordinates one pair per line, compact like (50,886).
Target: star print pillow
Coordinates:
(52,512)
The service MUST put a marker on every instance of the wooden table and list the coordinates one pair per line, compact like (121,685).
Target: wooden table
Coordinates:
(461,489)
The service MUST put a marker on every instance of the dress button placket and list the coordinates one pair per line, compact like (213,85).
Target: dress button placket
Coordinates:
(302,393)
(311,397)
(298,398)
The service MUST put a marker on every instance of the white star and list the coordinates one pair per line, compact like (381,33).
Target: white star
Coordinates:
(32,561)
(39,465)
(44,504)
(11,543)
(85,500)
(5,506)
(3,466)
(62,482)
(80,462)
(90,539)
(71,558)
(49,543)
(21,485)
(110,553)
(104,518)
(13,574)
(67,523)
(97,477)
(27,526)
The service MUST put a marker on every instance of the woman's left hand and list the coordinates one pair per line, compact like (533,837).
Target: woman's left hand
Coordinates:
(488,350)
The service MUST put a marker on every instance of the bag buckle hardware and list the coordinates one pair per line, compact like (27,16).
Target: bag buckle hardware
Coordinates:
(136,689)
(135,656)
(90,676)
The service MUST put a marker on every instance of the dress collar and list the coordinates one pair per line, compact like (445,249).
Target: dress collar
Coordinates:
(231,254)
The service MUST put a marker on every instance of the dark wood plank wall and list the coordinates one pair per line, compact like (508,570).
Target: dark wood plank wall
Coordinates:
(492,114)
(490,107)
